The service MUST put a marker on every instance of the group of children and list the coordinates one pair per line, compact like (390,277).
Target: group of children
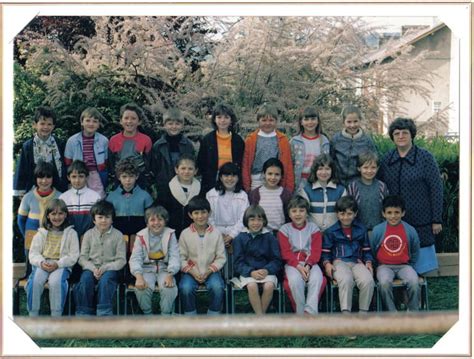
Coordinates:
(270,208)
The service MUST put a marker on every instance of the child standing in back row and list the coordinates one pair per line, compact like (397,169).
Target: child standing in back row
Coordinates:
(91,147)
(168,148)
(322,191)
(131,143)
(265,143)
(42,147)
(349,143)
(368,191)
(307,145)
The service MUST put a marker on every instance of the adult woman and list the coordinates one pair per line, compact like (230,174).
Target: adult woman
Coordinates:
(219,146)
(412,172)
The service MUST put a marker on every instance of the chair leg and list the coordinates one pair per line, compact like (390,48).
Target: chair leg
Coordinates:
(16,300)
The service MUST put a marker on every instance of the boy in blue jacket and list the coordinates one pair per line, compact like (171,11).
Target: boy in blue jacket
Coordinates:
(347,257)
(395,245)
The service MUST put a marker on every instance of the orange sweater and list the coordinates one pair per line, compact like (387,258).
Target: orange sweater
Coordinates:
(284,155)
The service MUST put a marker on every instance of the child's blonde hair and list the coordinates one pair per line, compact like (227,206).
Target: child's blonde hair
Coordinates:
(53,205)
(93,113)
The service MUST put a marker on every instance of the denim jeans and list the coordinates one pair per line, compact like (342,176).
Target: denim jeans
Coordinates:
(84,293)
(187,290)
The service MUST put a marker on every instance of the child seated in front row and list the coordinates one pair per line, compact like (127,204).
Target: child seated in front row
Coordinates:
(129,200)
(300,246)
(347,257)
(257,259)
(54,250)
(368,191)
(202,253)
(395,245)
(102,257)
(155,259)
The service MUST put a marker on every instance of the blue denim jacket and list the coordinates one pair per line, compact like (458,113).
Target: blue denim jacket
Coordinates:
(337,246)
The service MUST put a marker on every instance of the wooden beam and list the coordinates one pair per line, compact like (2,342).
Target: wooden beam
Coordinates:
(237,325)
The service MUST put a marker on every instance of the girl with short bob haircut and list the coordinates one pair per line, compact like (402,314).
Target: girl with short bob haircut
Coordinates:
(257,259)
(322,191)
(53,252)
(228,202)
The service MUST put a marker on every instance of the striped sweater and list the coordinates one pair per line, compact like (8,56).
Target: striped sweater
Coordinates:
(79,203)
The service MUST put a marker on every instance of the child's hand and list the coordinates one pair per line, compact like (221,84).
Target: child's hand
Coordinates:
(304,272)
(168,282)
(140,282)
(329,269)
(255,274)
(227,240)
(97,273)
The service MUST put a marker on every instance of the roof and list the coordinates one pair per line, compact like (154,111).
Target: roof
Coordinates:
(393,46)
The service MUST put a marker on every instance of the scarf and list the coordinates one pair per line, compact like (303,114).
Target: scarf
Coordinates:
(178,192)
(47,151)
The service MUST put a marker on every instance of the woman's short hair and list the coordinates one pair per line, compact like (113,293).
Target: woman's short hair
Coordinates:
(255,211)
(402,123)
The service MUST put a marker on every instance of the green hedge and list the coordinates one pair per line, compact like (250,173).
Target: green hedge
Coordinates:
(446,154)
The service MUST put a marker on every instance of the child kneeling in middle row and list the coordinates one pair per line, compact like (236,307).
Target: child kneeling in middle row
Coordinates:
(257,259)
(155,258)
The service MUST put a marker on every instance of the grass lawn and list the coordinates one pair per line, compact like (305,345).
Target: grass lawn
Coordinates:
(443,295)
